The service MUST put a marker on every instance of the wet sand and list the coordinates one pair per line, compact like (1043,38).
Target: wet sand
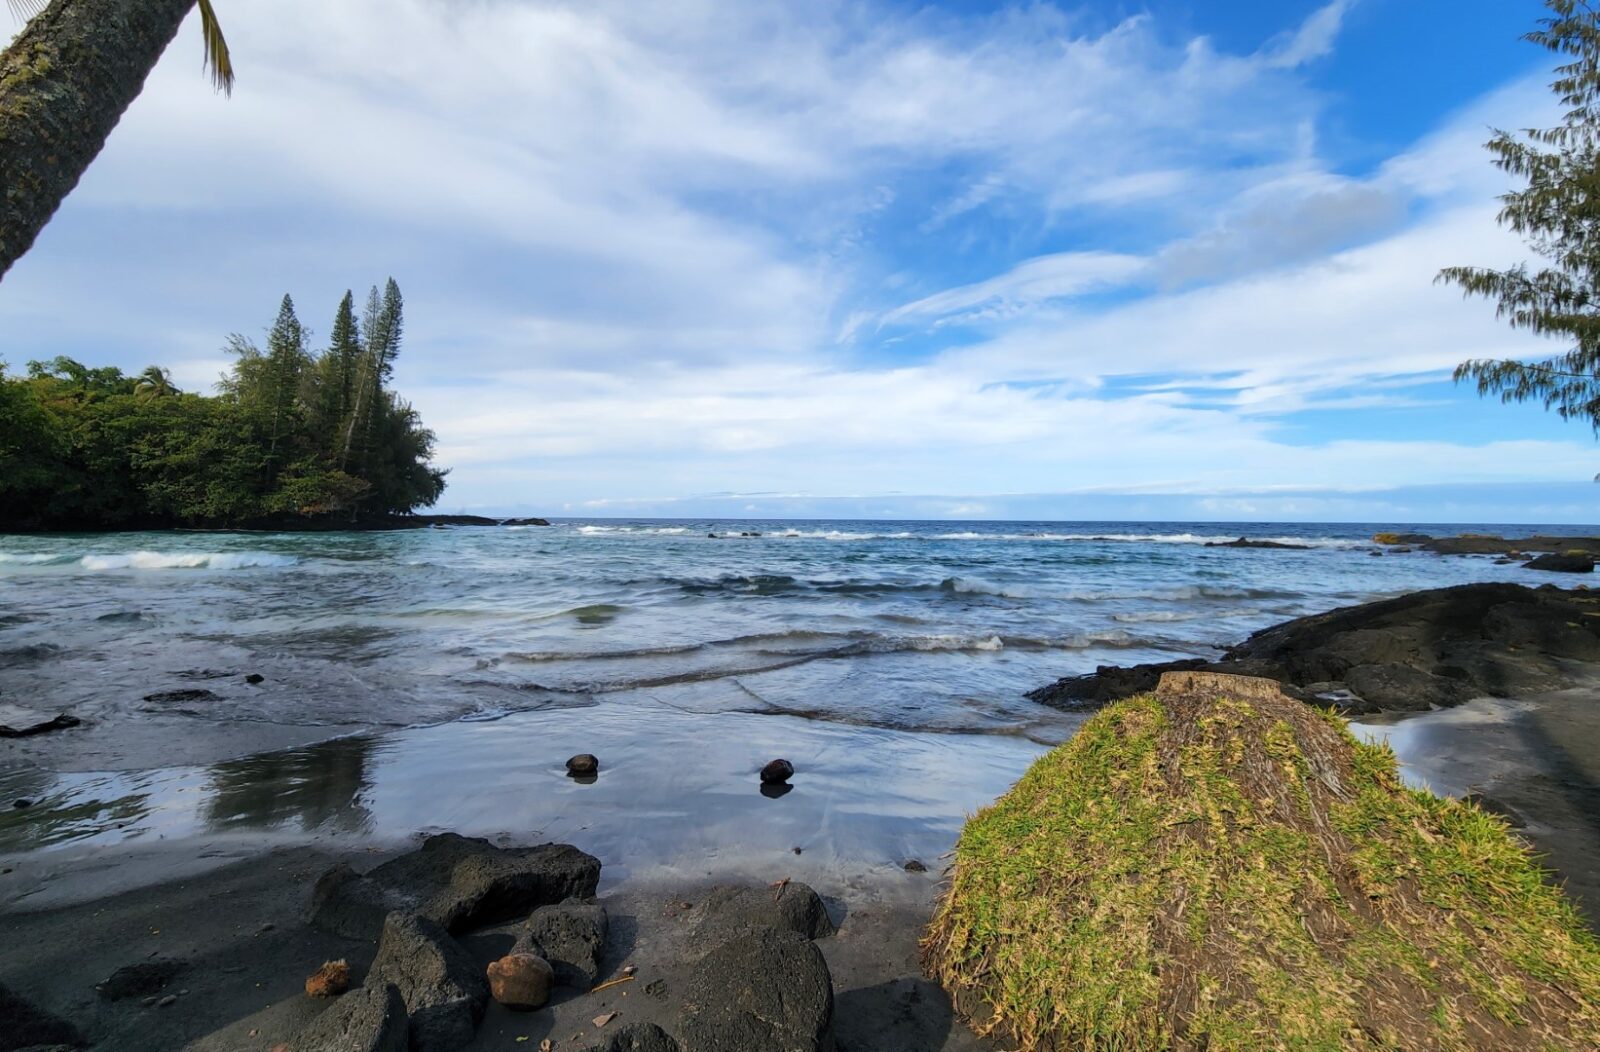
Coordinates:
(227,891)
(1537,758)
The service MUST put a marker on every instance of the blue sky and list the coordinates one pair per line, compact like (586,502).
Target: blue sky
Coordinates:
(1038,259)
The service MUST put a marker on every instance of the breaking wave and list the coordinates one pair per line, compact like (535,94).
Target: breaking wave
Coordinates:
(184,561)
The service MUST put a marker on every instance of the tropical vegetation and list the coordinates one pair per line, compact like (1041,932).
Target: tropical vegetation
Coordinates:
(293,435)
(1555,213)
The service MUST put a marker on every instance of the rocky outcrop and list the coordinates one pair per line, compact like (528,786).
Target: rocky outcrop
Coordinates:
(457,882)
(1428,649)
(443,990)
(1489,544)
(22,724)
(571,937)
(792,906)
(765,989)
(1250,542)
(371,1019)
(1563,562)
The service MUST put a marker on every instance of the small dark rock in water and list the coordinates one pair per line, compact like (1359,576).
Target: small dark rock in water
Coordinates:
(167,1001)
(713,536)
(139,980)
(192,694)
(583,764)
(777,771)
(915,866)
(254,678)
(58,723)
(1247,542)
(1568,563)
(20,804)
(1376,554)
(797,851)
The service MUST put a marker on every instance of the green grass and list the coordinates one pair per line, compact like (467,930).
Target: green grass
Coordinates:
(1240,873)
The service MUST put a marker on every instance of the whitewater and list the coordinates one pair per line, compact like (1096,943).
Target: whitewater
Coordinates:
(424,677)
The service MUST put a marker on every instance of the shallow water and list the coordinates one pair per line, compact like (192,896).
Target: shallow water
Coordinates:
(460,667)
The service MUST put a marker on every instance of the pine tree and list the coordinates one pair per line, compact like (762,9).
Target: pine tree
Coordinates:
(1558,215)
(285,366)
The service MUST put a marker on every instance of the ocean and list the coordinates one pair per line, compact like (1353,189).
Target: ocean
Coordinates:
(439,678)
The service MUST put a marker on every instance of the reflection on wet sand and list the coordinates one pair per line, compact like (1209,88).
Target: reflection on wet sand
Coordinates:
(318,788)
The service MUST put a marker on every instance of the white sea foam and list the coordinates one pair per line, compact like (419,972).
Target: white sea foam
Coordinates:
(145,560)
(600,531)
(26,559)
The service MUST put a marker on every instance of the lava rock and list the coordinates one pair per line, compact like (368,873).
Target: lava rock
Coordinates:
(793,907)
(776,772)
(583,764)
(1401,688)
(370,1019)
(164,697)
(254,678)
(530,520)
(457,882)
(640,1037)
(140,980)
(521,981)
(1495,640)
(22,805)
(1249,542)
(571,936)
(443,990)
(28,730)
(915,866)
(331,980)
(24,1024)
(1562,563)
(766,989)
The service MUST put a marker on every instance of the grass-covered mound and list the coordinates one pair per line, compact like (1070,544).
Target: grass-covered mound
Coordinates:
(1216,866)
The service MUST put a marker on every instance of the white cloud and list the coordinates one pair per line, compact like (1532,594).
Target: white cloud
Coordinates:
(663,249)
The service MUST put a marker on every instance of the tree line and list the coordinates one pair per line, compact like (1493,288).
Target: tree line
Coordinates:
(292,434)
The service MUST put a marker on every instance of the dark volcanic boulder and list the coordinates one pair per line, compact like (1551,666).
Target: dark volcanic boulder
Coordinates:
(640,1037)
(777,772)
(1434,648)
(766,990)
(791,907)
(458,882)
(571,937)
(1562,563)
(442,986)
(371,1019)
(24,1024)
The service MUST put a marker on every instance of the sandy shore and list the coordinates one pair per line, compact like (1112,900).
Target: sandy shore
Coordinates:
(233,908)
(241,930)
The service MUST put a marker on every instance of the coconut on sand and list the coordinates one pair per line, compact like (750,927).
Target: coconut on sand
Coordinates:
(1217,866)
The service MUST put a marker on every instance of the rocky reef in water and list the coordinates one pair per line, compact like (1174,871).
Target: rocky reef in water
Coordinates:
(1431,649)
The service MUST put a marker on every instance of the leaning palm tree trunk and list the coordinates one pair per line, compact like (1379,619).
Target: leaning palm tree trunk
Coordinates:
(64,84)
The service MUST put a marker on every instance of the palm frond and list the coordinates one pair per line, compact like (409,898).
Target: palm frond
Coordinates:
(218,61)
(26,9)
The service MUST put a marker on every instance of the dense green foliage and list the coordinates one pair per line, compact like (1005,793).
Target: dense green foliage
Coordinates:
(1556,214)
(291,433)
